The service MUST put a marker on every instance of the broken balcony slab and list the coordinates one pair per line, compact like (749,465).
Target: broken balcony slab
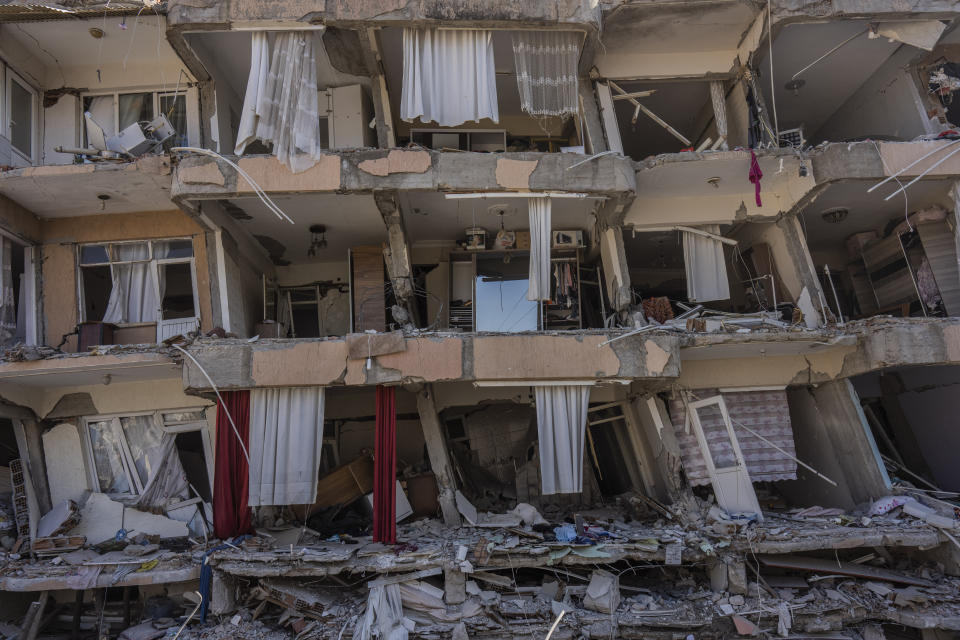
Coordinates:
(71,190)
(436,357)
(572,12)
(24,575)
(201,177)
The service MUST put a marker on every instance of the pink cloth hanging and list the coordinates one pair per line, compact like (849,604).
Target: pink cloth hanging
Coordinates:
(755,175)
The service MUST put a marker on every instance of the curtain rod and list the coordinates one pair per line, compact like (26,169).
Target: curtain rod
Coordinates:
(698,232)
(519,194)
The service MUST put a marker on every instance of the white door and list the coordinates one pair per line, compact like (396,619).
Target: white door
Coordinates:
(721,451)
(177,295)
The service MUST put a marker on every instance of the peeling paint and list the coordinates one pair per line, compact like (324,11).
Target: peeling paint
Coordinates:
(515,174)
(273,176)
(207,173)
(397,161)
(657,357)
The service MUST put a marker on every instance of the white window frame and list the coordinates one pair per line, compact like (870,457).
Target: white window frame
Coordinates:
(155,265)
(157,91)
(126,457)
(10,76)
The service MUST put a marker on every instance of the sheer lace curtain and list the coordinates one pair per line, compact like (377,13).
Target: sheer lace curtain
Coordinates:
(449,76)
(281,106)
(546,65)
(133,297)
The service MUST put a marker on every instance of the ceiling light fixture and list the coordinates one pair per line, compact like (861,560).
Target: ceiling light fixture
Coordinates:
(795,85)
(318,239)
(835,215)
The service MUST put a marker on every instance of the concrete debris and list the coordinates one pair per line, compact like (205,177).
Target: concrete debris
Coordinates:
(603,592)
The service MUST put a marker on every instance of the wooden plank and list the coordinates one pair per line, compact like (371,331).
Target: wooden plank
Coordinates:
(341,486)
(369,299)
(820,565)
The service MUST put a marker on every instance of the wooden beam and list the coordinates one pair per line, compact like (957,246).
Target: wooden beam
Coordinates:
(439,456)
(650,114)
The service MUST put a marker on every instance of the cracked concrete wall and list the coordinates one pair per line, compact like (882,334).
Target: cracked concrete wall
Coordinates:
(368,170)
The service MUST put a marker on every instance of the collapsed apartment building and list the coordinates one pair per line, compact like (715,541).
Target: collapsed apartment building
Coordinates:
(661,298)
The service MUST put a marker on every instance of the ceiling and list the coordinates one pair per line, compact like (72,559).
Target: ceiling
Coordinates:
(431,218)
(72,190)
(351,221)
(229,53)
(127,39)
(658,27)
(678,103)
(868,211)
(653,249)
(829,83)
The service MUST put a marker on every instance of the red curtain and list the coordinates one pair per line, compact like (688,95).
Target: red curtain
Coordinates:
(385,468)
(231,482)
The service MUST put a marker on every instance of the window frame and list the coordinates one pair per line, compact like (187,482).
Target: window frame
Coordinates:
(190,94)
(152,260)
(9,77)
(126,457)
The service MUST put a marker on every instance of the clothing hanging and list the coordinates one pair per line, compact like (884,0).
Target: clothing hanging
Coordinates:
(449,76)
(286,440)
(281,104)
(561,425)
(705,266)
(755,175)
(546,66)
(385,468)
(231,515)
(539,276)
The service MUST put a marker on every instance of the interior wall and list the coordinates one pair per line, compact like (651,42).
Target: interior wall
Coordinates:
(244,289)
(886,105)
(929,405)
(61,126)
(60,237)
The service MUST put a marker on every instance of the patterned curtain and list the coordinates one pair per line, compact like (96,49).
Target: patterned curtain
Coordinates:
(546,64)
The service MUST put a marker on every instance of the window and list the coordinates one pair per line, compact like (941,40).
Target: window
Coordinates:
(114,112)
(142,281)
(18,111)
(125,451)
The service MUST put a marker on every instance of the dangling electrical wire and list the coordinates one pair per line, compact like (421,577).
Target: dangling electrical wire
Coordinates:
(264,198)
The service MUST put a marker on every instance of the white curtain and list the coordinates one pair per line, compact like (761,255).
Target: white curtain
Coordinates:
(8,305)
(546,65)
(562,427)
(133,297)
(706,267)
(286,437)
(101,109)
(167,482)
(540,238)
(448,76)
(281,105)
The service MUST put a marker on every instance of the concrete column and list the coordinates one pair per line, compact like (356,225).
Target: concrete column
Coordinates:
(799,268)
(397,252)
(846,426)
(31,450)
(378,89)
(616,274)
(439,456)
(592,127)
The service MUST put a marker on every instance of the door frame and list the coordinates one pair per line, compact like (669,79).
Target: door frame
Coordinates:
(734,443)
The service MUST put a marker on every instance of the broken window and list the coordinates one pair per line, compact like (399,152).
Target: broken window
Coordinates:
(126,452)
(114,112)
(133,282)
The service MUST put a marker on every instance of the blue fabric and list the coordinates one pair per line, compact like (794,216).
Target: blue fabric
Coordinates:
(206,574)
